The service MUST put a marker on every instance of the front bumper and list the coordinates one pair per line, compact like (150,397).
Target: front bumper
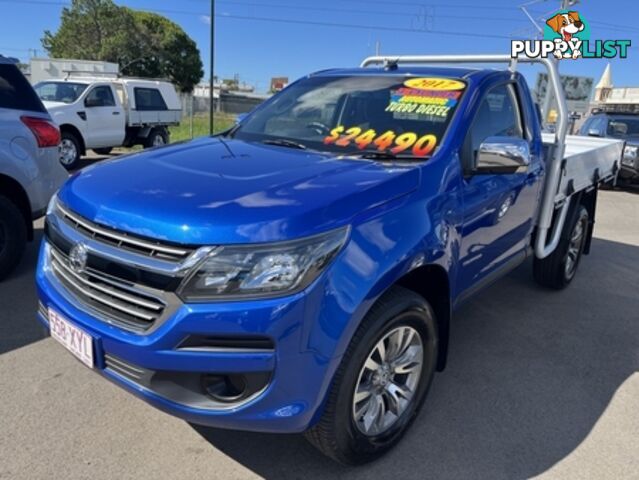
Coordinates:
(629,167)
(629,171)
(298,378)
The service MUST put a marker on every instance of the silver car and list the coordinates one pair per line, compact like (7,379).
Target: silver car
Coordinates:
(30,172)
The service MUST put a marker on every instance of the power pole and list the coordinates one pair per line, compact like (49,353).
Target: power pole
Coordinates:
(212,70)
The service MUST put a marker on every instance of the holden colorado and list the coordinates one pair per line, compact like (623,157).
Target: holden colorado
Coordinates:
(299,272)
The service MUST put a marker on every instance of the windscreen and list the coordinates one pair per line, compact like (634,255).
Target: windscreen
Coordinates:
(623,127)
(403,116)
(63,92)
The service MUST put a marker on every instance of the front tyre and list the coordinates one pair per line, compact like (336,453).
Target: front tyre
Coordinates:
(382,380)
(559,268)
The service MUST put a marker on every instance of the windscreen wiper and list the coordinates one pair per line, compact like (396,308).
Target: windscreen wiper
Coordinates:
(282,142)
(377,155)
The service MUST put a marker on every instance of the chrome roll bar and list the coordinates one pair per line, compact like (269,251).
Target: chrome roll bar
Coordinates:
(553,167)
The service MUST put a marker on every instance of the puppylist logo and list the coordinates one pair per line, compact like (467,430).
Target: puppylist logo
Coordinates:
(567,36)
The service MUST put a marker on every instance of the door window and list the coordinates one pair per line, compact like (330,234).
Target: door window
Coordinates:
(149,99)
(498,115)
(101,96)
(594,125)
(15,91)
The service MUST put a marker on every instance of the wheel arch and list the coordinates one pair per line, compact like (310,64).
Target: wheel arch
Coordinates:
(589,200)
(432,283)
(15,193)
(68,127)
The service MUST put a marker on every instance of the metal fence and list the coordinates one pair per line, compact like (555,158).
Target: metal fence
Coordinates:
(226,102)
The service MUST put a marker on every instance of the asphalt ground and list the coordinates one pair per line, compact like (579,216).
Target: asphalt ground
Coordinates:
(539,383)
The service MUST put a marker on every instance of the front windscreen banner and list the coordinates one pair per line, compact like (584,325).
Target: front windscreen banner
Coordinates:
(402,116)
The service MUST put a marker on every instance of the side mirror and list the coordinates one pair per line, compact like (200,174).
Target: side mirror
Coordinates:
(503,155)
(593,132)
(92,102)
(240,117)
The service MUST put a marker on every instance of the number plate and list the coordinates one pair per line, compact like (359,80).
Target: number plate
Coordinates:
(74,339)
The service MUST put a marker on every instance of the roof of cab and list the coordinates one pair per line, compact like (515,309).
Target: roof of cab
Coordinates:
(120,80)
(82,81)
(412,70)
(8,60)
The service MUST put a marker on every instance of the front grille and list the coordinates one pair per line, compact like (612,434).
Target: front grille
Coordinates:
(125,241)
(111,266)
(122,303)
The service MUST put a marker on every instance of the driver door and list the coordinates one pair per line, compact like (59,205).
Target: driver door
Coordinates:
(105,118)
(499,208)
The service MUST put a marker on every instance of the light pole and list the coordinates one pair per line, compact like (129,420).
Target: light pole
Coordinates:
(212,69)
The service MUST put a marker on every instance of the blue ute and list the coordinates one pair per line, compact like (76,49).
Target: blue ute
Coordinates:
(298,272)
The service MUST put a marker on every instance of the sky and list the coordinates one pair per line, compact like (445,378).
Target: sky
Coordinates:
(260,39)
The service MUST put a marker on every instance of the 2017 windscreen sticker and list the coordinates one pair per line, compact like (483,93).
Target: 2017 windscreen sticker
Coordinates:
(433,98)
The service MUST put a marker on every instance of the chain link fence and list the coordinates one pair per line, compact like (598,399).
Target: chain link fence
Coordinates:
(227,105)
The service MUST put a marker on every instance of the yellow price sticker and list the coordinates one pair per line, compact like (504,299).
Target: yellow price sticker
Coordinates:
(433,83)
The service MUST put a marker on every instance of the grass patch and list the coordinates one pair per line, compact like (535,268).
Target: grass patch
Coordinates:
(200,126)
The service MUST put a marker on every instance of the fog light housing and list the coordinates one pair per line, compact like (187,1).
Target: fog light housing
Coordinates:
(235,387)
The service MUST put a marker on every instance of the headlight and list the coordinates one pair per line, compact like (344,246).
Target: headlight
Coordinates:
(262,270)
(631,152)
(53,204)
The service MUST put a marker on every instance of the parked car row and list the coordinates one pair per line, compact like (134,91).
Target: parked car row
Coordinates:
(610,123)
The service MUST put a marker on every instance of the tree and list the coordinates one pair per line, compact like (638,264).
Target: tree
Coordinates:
(143,44)
(174,53)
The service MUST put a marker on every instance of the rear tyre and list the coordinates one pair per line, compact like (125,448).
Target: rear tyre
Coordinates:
(103,151)
(381,382)
(558,269)
(157,138)
(13,236)
(69,150)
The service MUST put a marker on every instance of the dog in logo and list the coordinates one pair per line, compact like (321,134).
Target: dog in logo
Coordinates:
(566,25)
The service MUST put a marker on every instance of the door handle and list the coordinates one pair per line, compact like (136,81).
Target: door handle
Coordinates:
(116,113)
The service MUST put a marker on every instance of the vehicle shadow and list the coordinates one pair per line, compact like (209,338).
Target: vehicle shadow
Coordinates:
(530,372)
(19,302)
(93,157)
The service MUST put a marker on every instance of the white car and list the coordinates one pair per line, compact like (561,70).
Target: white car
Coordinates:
(103,113)
(29,171)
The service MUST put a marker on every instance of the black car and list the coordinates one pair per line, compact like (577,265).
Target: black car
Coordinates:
(624,126)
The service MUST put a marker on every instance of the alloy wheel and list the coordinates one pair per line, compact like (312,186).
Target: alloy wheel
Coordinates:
(388,381)
(574,247)
(68,152)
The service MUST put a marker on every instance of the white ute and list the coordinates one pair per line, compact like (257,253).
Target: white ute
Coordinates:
(103,113)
